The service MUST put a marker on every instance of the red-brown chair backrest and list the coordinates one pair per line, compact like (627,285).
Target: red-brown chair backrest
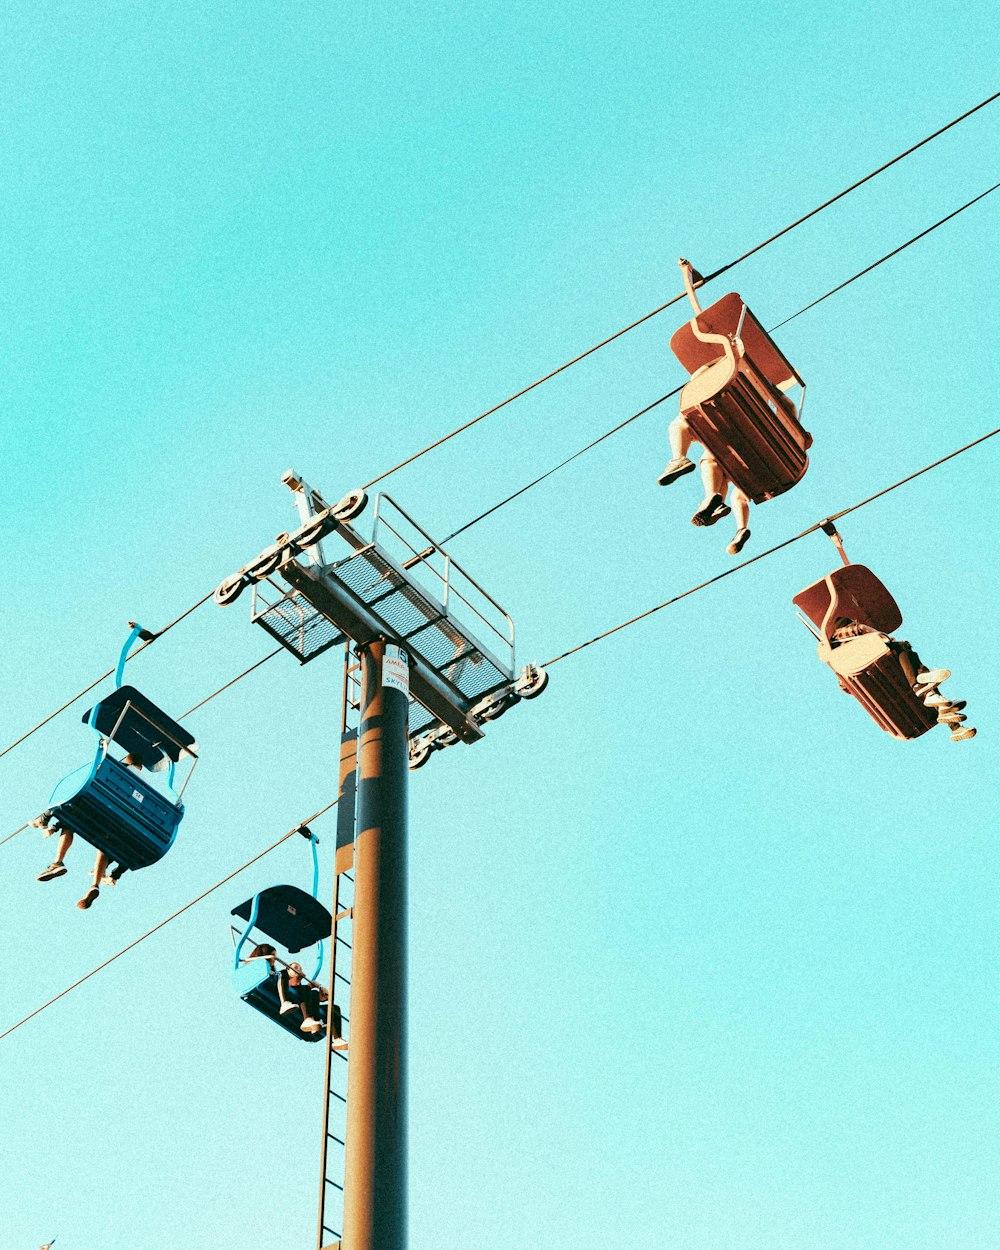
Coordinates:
(723,317)
(860,596)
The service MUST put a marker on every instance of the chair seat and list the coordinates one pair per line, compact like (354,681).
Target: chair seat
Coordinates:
(119,813)
(749,426)
(870,671)
(257,986)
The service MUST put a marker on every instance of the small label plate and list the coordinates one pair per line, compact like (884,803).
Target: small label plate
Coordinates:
(396,669)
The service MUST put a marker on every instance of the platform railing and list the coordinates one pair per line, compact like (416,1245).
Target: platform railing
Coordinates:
(419,555)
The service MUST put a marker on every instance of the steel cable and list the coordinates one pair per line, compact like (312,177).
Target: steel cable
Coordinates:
(530,485)
(548,664)
(704,281)
(157,927)
(232,682)
(554,373)
(854,186)
(833,516)
(677,389)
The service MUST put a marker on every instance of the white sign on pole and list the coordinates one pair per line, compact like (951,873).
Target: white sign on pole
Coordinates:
(396,669)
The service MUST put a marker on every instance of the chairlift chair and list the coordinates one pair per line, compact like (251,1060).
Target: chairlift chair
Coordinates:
(735,402)
(108,804)
(295,920)
(866,666)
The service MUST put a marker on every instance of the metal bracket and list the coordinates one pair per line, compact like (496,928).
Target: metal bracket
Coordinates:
(830,530)
(692,280)
(309,503)
(530,683)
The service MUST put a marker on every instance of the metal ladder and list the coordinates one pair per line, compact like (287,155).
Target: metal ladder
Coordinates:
(332,1155)
(331,1200)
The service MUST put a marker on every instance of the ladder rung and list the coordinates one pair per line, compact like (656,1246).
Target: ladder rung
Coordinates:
(329,1181)
(345,915)
(340,1096)
(337,1139)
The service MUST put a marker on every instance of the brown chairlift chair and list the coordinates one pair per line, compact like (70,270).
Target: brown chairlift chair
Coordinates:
(735,403)
(866,666)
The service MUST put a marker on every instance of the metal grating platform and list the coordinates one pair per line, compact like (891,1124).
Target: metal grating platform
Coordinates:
(291,619)
(416,619)
(402,586)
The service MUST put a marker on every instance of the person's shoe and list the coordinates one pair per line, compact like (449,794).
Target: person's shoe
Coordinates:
(58,869)
(311,1026)
(937,700)
(676,468)
(739,542)
(109,880)
(711,511)
(88,898)
(951,718)
(286,1007)
(932,677)
(962,732)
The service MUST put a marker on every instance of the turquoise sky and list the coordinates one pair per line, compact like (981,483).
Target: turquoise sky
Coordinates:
(699,958)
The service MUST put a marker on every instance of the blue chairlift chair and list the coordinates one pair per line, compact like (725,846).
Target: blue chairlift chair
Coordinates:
(111,806)
(295,920)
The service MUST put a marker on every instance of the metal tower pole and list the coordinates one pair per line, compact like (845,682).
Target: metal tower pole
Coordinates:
(375,1168)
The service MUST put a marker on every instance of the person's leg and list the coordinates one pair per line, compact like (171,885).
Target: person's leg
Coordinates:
(100,867)
(907,660)
(680,437)
(924,681)
(58,868)
(741,515)
(741,508)
(712,477)
(679,434)
(311,1020)
(287,1003)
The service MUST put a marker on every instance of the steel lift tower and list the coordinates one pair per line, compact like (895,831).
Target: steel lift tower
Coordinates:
(435,664)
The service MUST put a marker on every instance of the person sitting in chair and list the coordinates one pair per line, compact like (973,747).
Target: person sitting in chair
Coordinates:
(293,990)
(307,996)
(49,823)
(924,681)
(713,507)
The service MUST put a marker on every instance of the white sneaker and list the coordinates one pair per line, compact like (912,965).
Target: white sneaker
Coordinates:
(676,468)
(937,700)
(58,869)
(961,732)
(286,1007)
(311,1026)
(739,542)
(929,681)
